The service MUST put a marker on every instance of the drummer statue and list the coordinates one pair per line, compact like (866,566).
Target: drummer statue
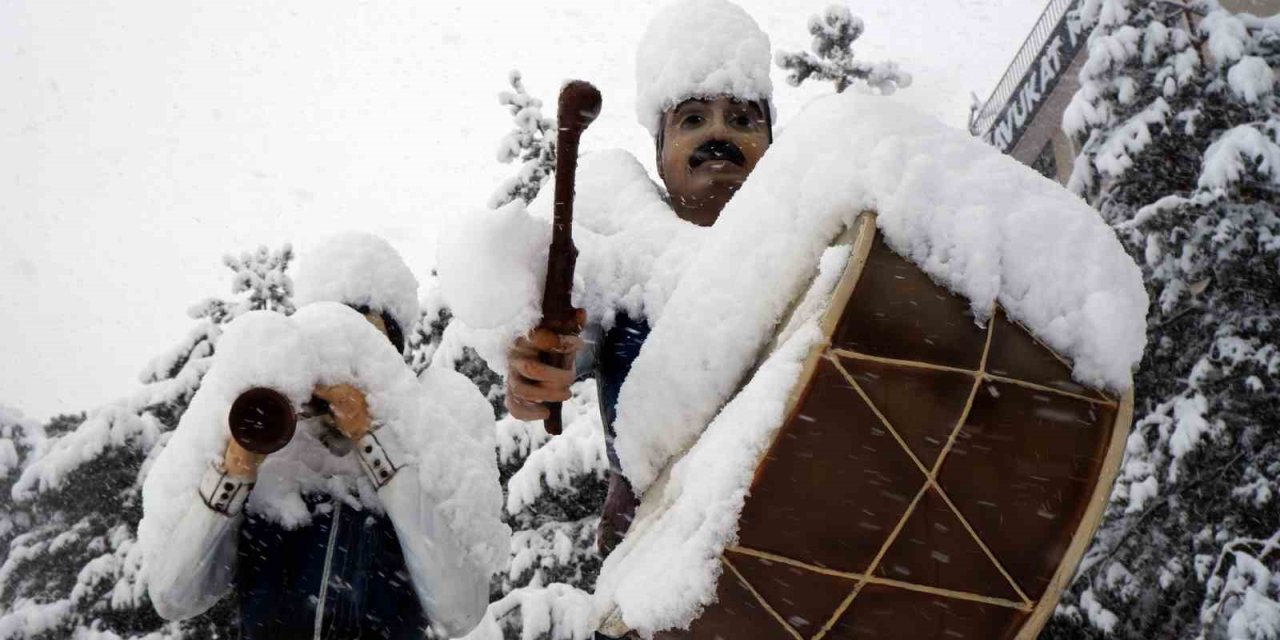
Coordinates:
(709,132)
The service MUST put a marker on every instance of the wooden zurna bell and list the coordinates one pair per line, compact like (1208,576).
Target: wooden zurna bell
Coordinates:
(263,420)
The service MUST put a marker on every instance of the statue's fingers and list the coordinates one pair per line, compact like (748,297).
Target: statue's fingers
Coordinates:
(525,410)
(532,391)
(543,372)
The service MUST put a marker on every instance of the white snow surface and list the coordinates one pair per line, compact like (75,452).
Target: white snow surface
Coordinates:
(679,58)
(976,221)
(1225,159)
(360,269)
(1251,78)
(442,421)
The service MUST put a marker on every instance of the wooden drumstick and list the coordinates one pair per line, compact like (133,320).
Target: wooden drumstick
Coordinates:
(579,105)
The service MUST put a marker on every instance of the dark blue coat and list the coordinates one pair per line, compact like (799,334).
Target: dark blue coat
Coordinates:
(342,576)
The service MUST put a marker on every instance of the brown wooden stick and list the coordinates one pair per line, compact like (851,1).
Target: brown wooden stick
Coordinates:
(579,105)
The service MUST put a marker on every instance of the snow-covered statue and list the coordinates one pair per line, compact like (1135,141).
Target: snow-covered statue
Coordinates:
(703,90)
(884,395)
(379,517)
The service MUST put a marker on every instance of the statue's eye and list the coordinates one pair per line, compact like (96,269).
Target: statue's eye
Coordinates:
(692,120)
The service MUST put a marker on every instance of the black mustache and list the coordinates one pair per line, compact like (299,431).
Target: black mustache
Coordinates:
(717,150)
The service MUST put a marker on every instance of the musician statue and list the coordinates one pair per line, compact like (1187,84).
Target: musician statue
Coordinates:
(338,527)
(709,131)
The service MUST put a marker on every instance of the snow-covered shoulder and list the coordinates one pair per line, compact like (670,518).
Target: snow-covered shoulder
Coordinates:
(258,349)
(632,249)
(978,222)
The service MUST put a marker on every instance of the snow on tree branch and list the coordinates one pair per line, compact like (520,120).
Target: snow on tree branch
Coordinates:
(533,142)
(832,59)
(1179,120)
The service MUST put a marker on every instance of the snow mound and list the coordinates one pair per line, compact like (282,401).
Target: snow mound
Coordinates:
(359,269)
(699,49)
(975,220)
(492,265)
(444,424)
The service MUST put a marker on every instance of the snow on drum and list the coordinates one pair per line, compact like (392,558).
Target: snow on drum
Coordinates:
(926,446)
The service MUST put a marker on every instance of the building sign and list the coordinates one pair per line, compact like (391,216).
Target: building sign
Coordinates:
(1041,77)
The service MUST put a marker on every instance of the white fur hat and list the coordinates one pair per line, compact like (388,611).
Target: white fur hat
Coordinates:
(700,49)
(358,268)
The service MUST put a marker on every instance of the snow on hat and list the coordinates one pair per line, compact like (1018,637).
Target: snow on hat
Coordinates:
(699,49)
(359,269)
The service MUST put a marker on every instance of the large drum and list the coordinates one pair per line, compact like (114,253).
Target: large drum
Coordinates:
(934,478)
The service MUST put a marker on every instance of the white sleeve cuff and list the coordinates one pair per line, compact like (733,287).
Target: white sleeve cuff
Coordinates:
(224,493)
(380,455)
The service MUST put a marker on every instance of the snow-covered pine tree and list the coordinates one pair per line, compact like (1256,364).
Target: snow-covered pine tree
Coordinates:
(1179,116)
(832,59)
(555,489)
(532,141)
(71,569)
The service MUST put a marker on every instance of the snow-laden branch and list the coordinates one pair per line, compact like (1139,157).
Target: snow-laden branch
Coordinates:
(832,60)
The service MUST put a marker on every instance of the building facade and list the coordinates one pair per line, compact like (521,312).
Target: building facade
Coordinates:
(1023,116)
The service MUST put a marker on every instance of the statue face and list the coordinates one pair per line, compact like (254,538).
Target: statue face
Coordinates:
(709,146)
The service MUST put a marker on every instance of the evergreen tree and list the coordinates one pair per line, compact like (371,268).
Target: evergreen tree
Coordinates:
(555,489)
(834,33)
(71,567)
(1179,117)
(533,142)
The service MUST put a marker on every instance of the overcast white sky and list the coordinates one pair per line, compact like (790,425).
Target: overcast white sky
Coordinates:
(140,141)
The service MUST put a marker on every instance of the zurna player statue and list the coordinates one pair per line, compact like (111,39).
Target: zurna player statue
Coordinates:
(709,131)
(338,534)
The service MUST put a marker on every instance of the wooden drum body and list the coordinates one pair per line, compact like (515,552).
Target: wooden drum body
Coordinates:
(933,479)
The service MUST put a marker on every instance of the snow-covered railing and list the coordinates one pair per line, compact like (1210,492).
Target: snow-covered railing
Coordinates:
(1031,76)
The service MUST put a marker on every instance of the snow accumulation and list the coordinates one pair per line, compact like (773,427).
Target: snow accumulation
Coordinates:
(1227,160)
(557,611)
(360,269)
(1251,78)
(679,58)
(442,421)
